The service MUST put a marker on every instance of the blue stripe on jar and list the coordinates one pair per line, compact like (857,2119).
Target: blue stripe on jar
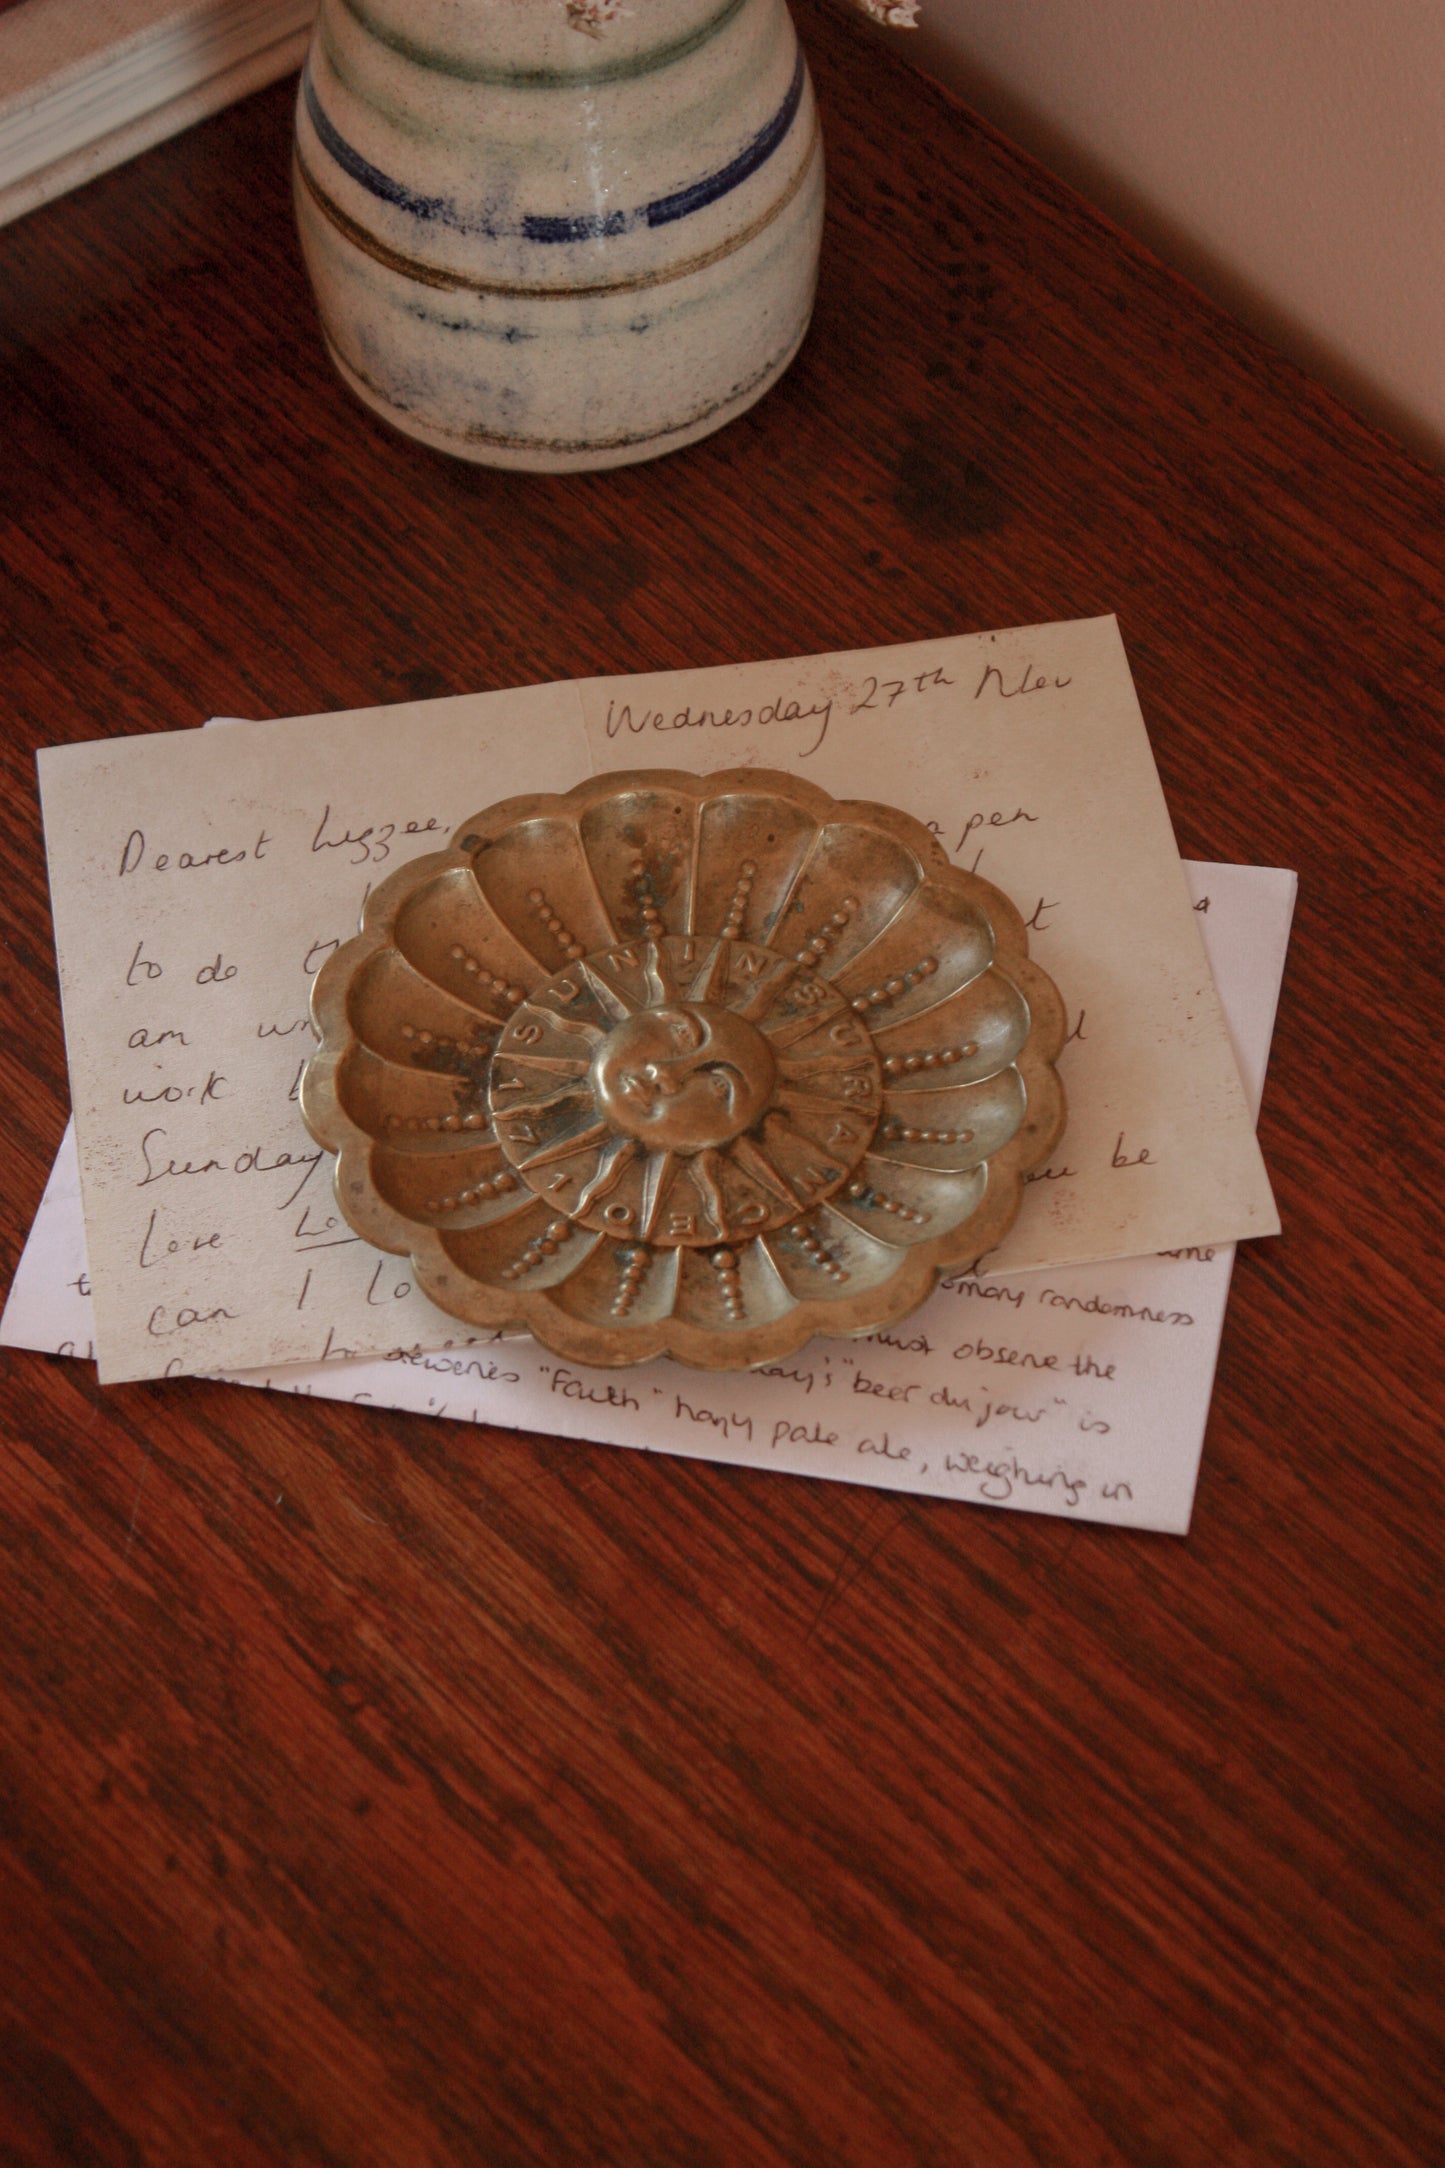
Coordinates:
(662,211)
(371,178)
(450,280)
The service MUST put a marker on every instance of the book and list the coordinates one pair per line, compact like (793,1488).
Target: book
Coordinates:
(84,88)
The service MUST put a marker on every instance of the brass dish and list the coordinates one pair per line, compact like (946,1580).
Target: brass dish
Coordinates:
(681,1065)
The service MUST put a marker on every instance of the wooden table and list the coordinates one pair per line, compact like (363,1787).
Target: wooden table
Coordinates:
(492,1799)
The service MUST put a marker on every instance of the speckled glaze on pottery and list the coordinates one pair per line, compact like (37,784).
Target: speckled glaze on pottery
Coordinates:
(539,248)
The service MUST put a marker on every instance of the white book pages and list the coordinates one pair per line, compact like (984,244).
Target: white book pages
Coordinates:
(84,87)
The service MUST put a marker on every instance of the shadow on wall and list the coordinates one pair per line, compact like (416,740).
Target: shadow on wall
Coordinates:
(1151,222)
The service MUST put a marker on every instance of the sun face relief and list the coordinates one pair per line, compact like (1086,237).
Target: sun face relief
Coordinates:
(684,1077)
(684,1092)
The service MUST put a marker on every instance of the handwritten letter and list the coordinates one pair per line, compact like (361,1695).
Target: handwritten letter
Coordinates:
(1080,1392)
(200,879)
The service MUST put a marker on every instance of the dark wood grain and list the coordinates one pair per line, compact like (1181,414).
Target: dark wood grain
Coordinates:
(373,1791)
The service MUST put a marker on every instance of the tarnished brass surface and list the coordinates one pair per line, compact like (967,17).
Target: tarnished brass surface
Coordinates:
(683,1065)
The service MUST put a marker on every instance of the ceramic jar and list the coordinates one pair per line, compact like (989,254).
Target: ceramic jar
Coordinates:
(559,234)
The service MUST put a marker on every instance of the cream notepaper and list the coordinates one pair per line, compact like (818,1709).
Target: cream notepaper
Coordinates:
(200,879)
(1081,1392)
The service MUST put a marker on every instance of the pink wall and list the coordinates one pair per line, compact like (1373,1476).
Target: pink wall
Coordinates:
(1288,155)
